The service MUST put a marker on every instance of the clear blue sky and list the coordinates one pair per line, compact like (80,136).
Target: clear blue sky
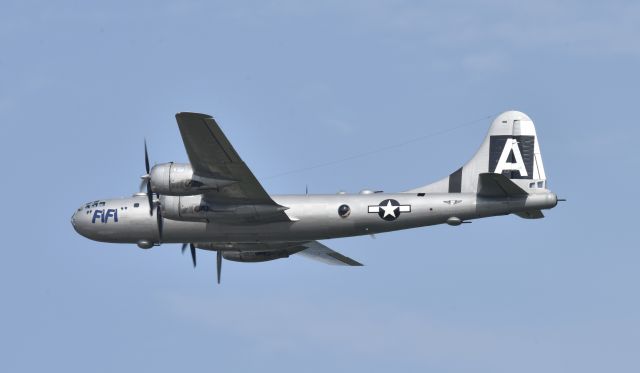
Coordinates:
(295,84)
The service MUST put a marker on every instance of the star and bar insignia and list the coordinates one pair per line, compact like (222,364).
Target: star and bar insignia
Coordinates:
(389,209)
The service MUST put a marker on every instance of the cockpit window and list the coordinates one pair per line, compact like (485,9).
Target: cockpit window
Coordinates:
(94,204)
(101,203)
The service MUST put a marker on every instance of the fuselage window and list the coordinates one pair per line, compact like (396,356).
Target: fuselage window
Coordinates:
(136,205)
(344,211)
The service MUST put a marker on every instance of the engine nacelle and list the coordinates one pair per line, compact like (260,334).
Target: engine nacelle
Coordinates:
(197,208)
(178,179)
(254,256)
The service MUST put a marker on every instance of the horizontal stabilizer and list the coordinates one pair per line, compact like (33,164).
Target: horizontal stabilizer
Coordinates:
(531,214)
(497,185)
(317,251)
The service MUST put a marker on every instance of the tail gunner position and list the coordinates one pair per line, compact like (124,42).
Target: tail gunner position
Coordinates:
(216,203)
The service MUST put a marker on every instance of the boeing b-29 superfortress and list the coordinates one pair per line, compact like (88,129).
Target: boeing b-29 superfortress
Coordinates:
(214,202)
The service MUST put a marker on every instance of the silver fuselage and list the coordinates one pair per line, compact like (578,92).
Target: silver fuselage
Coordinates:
(314,217)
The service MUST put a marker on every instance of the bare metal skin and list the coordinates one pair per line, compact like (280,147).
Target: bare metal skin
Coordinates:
(215,202)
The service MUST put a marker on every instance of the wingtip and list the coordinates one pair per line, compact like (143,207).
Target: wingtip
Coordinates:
(187,114)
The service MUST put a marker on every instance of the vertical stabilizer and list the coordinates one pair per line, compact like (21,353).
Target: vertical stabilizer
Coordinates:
(511,148)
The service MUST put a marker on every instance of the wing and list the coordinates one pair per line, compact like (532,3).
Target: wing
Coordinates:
(317,251)
(310,249)
(212,157)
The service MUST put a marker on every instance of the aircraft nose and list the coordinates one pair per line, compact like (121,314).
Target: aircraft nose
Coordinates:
(74,221)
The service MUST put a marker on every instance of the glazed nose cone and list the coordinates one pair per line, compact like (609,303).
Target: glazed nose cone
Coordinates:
(73,221)
(76,222)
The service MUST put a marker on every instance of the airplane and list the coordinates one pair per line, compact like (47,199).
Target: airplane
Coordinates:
(215,203)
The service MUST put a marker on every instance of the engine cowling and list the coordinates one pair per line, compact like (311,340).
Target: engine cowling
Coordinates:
(254,256)
(197,208)
(178,179)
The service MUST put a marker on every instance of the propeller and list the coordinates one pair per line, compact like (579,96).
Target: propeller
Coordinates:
(147,178)
(193,252)
(219,264)
(192,248)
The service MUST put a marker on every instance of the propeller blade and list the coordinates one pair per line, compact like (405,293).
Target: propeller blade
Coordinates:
(193,254)
(146,156)
(150,197)
(148,178)
(219,264)
(184,247)
(160,222)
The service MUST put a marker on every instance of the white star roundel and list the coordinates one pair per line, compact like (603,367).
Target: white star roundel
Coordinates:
(389,209)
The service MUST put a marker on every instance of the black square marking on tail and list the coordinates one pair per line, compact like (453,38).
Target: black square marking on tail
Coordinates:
(525,145)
